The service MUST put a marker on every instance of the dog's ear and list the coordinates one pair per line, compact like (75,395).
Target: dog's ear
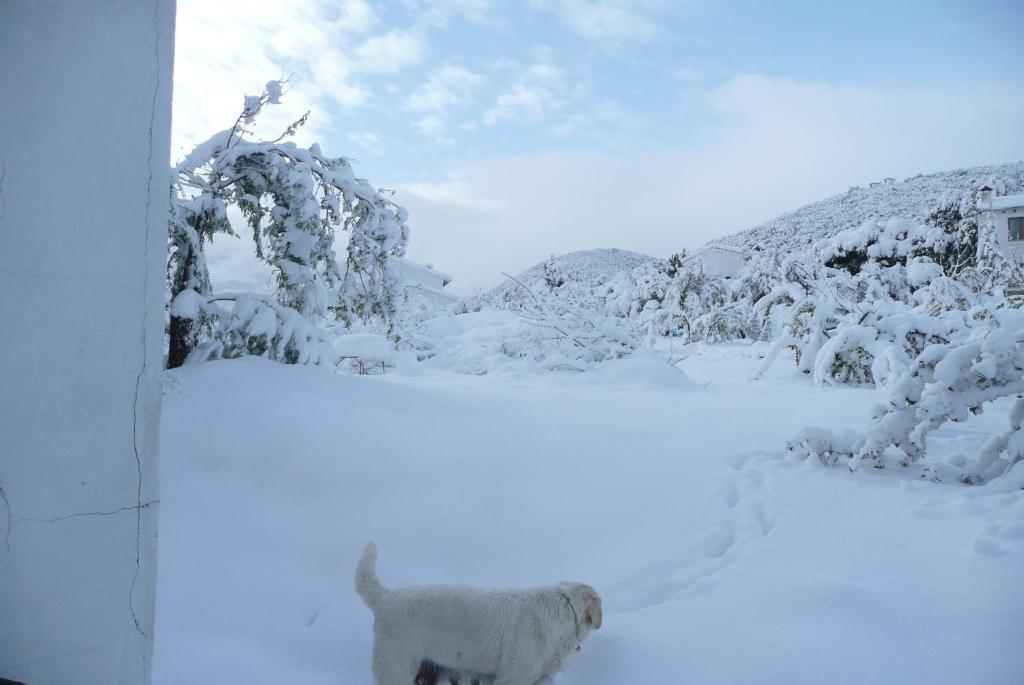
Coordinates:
(593,612)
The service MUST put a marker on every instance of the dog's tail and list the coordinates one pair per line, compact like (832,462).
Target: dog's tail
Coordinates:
(367,584)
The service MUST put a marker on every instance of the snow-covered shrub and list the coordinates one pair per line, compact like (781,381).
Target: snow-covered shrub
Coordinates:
(568,335)
(673,298)
(247,324)
(864,320)
(950,242)
(294,200)
(729,321)
(947,382)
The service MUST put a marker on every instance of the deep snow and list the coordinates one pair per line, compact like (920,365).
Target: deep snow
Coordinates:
(720,558)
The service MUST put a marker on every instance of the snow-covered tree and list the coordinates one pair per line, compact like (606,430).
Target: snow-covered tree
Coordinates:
(294,200)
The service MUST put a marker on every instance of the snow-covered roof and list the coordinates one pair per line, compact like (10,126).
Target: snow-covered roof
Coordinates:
(1003,202)
(423,272)
(717,246)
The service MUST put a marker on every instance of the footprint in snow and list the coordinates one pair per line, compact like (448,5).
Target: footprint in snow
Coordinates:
(716,543)
(747,517)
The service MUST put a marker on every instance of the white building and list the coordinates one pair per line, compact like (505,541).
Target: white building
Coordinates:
(719,259)
(426,281)
(86,96)
(1008,213)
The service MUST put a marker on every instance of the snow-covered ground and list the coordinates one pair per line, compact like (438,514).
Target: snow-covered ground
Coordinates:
(720,559)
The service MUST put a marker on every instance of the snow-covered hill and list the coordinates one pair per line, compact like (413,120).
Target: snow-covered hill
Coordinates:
(587,267)
(914,198)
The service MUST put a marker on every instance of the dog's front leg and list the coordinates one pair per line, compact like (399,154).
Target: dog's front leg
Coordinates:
(519,679)
(518,674)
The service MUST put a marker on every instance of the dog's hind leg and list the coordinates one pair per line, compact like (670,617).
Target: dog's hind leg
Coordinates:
(388,667)
(428,673)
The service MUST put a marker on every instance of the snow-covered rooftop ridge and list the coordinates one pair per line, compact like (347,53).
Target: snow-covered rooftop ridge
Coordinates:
(1003,202)
(913,198)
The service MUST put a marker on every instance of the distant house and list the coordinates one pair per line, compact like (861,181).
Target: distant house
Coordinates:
(888,180)
(1008,213)
(875,184)
(719,259)
(425,280)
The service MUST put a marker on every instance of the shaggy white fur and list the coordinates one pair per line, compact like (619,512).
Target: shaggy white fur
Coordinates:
(520,636)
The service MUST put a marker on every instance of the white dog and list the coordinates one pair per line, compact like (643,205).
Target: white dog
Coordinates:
(519,636)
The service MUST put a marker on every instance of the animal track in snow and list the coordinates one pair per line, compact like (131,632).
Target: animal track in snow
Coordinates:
(716,543)
(729,493)
(747,517)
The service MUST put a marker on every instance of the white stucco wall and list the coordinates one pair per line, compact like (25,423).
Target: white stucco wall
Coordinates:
(85,91)
(1011,248)
(720,261)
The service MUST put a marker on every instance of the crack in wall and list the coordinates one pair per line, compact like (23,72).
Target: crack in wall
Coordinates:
(7,528)
(3,200)
(145,338)
(83,514)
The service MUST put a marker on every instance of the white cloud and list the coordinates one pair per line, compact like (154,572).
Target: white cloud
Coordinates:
(441,13)
(454,190)
(430,125)
(447,88)
(366,140)
(606,19)
(531,97)
(227,49)
(779,144)
(356,16)
(391,52)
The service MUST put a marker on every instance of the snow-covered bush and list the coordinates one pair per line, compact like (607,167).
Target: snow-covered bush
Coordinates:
(865,318)
(294,200)
(947,382)
(568,335)
(673,298)
(946,345)
(951,242)
(247,324)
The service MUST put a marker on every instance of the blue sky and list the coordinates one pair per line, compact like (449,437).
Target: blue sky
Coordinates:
(542,127)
